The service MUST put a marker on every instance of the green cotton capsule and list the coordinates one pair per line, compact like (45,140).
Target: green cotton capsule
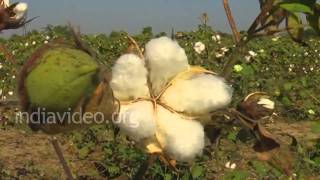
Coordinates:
(60,79)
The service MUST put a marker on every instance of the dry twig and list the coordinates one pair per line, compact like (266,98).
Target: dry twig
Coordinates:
(231,21)
(62,160)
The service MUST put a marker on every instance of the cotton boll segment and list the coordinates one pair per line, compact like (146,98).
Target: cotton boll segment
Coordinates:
(20,10)
(137,120)
(165,59)
(129,78)
(182,139)
(5,3)
(199,95)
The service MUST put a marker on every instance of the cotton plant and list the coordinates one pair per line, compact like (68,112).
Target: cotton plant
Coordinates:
(164,101)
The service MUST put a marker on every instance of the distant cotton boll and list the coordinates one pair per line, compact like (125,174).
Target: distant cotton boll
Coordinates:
(137,120)
(252,53)
(129,78)
(224,49)
(34,43)
(165,59)
(182,139)
(311,112)
(20,10)
(214,38)
(230,165)
(200,95)
(219,55)
(1,66)
(45,42)
(247,58)
(218,37)
(199,47)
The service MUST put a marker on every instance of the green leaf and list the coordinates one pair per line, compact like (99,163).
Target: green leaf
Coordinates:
(236,175)
(276,172)
(84,152)
(295,27)
(232,136)
(287,86)
(296,7)
(186,176)
(314,19)
(167,177)
(260,168)
(197,171)
(315,127)
(247,70)
(286,101)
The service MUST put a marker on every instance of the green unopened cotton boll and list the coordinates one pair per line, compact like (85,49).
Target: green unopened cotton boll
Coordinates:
(61,77)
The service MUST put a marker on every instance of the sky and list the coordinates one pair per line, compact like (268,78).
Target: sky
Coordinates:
(104,16)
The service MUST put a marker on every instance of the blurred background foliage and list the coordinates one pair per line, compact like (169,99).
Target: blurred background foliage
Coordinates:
(284,69)
(289,72)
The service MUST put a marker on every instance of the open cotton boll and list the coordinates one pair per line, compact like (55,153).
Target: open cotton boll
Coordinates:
(129,78)
(165,59)
(182,139)
(137,120)
(5,3)
(199,95)
(20,10)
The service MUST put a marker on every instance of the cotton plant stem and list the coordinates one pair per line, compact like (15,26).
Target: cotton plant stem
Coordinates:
(140,53)
(241,43)
(231,21)
(76,35)
(62,160)
(233,59)
(239,114)
(266,7)
(313,97)
(226,73)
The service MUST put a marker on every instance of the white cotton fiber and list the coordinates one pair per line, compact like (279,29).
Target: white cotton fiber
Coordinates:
(129,78)
(5,3)
(20,10)
(137,120)
(200,95)
(182,139)
(165,59)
